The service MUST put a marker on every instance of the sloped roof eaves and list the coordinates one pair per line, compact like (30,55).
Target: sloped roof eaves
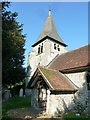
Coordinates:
(32,79)
(73,59)
(77,69)
(49,30)
(51,38)
(45,78)
(58,80)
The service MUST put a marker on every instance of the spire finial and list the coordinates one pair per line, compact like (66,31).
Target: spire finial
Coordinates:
(49,13)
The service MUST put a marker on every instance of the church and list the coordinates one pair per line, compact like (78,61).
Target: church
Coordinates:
(56,78)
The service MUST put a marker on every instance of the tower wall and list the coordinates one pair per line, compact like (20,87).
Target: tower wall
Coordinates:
(44,58)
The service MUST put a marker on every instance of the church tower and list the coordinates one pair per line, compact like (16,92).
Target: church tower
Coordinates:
(46,48)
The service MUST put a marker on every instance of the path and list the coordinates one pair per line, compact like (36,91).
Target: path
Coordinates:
(27,114)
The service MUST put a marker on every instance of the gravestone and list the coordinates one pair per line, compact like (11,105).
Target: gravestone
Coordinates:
(21,92)
(7,94)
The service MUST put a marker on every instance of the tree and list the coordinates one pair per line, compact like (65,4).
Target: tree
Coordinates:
(13,42)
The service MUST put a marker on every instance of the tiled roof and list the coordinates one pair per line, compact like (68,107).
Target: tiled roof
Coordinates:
(77,58)
(49,30)
(57,80)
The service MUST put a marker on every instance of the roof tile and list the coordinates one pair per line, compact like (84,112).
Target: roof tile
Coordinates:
(57,80)
(73,59)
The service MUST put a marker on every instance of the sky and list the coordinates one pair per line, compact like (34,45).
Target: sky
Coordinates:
(47,0)
(70,19)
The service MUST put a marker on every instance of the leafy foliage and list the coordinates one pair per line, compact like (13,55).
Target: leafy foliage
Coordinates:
(13,42)
(79,107)
(88,79)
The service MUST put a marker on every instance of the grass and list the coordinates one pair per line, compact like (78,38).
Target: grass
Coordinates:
(14,103)
(72,116)
(21,102)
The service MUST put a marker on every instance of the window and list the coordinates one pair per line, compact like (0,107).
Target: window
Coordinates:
(42,48)
(58,48)
(55,46)
(39,50)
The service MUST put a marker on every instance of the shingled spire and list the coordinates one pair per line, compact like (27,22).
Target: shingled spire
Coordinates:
(49,31)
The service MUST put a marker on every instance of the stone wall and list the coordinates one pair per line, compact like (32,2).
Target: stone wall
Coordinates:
(48,53)
(79,80)
(43,59)
(59,103)
(64,102)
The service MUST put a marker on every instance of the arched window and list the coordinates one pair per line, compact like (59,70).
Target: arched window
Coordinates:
(54,46)
(42,48)
(58,48)
(39,50)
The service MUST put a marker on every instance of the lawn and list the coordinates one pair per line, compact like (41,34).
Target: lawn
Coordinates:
(73,116)
(14,103)
(24,102)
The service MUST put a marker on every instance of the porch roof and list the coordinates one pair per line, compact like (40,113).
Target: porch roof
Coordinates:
(55,80)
